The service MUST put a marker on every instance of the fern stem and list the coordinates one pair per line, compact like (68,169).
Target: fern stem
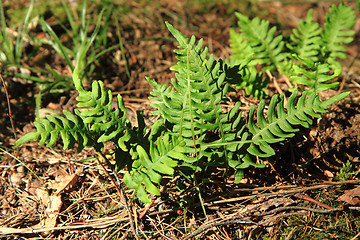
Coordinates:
(316,77)
(120,191)
(200,198)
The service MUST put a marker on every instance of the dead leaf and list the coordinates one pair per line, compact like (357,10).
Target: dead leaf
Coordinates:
(351,196)
(328,174)
(52,212)
(67,182)
(16,178)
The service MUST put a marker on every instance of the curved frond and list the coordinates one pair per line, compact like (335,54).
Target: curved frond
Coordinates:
(146,172)
(336,32)
(306,38)
(266,47)
(281,122)
(103,118)
(71,129)
(318,76)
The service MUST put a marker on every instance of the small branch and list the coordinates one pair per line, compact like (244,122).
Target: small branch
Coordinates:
(275,82)
(9,107)
(307,198)
(239,219)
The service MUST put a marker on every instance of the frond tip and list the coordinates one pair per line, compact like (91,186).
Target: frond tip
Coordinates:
(281,122)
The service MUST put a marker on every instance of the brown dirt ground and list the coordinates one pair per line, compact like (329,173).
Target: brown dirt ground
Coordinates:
(300,181)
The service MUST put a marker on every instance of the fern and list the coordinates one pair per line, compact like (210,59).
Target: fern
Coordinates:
(99,123)
(265,46)
(336,33)
(305,39)
(192,107)
(194,130)
(242,53)
(71,128)
(308,42)
(162,158)
(316,75)
(281,121)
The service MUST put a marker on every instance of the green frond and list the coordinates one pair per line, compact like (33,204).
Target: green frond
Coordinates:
(281,122)
(191,105)
(306,38)
(266,47)
(70,129)
(110,123)
(146,172)
(241,50)
(98,123)
(336,33)
(316,75)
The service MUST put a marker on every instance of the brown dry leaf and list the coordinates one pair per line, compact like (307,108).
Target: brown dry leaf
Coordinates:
(351,196)
(66,182)
(328,174)
(52,212)
(42,195)
(16,178)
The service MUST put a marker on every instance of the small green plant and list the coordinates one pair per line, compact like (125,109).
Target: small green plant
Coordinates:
(312,51)
(194,131)
(346,172)
(81,41)
(11,48)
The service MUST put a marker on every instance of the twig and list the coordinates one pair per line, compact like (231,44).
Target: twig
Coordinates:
(293,189)
(355,237)
(239,219)
(275,82)
(216,224)
(9,107)
(307,198)
(283,209)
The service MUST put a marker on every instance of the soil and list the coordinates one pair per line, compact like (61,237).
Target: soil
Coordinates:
(303,178)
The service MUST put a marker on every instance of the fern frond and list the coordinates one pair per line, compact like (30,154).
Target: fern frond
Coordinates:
(194,110)
(147,170)
(306,38)
(98,123)
(192,106)
(241,50)
(266,47)
(336,32)
(316,75)
(70,128)
(103,118)
(281,122)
